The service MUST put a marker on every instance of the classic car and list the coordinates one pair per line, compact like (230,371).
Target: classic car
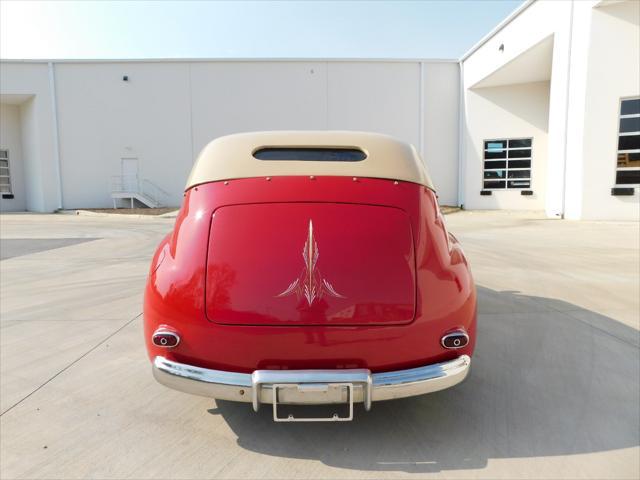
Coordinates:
(309,268)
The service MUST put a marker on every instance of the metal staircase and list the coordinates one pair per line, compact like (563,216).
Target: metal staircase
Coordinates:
(133,188)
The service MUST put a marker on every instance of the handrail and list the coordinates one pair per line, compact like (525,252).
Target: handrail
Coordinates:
(153,191)
(125,184)
(136,186)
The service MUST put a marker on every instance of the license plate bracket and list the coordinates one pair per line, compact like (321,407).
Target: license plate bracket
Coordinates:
(327,390)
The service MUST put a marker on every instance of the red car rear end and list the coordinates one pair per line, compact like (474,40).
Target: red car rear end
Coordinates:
(310,288)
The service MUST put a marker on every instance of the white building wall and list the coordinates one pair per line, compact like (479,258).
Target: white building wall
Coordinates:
(613,72)
(37,130)
(560,105)
(441,109)
(11,140)
(537,22)
(595,62)
(511,111)
(103,119)
(382,97)
(167,111)
(232,97)
(577,143)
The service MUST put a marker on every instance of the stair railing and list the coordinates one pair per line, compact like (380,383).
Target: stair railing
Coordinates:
(134,185)
(154,192)
(125,184)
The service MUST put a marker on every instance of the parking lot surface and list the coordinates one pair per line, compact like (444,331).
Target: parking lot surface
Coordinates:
(553,392)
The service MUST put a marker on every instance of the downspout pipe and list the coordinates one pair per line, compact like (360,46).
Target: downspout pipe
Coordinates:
(566,118)
(56,136)
(421,121)
(461,134)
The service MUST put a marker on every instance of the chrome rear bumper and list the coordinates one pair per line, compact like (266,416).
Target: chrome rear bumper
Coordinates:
(258,387)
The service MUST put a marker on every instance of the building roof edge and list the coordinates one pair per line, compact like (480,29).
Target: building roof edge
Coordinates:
(512,16)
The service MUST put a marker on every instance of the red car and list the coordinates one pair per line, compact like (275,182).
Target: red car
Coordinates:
(309,268)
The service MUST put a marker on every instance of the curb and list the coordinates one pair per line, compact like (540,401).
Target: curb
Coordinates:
(89,213)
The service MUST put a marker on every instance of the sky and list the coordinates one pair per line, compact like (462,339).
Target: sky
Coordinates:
(246,29)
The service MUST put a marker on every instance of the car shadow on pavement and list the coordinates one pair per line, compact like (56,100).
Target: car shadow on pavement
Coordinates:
(548,378)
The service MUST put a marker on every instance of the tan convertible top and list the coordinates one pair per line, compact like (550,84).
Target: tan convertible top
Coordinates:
(231,157)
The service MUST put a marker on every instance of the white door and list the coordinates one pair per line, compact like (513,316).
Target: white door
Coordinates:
(130,174)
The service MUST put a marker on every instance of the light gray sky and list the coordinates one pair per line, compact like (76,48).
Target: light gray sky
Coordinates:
(255,29)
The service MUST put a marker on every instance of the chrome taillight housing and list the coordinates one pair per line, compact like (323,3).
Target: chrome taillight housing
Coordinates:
(455,339)
(165,338)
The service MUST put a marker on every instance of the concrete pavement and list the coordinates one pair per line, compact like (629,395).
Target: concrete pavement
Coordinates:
(554,389)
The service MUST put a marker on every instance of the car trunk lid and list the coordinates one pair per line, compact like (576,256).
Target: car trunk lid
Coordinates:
(310,264)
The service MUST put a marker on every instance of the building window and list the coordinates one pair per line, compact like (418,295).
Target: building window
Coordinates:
(507,164)
(5,179)
(628,171)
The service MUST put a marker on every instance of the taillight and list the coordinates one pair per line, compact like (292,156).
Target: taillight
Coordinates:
(165,338)
(455,339)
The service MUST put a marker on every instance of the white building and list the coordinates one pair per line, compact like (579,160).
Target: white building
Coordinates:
(542,114)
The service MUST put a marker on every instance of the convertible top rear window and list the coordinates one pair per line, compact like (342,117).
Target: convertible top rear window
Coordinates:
(311,154)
